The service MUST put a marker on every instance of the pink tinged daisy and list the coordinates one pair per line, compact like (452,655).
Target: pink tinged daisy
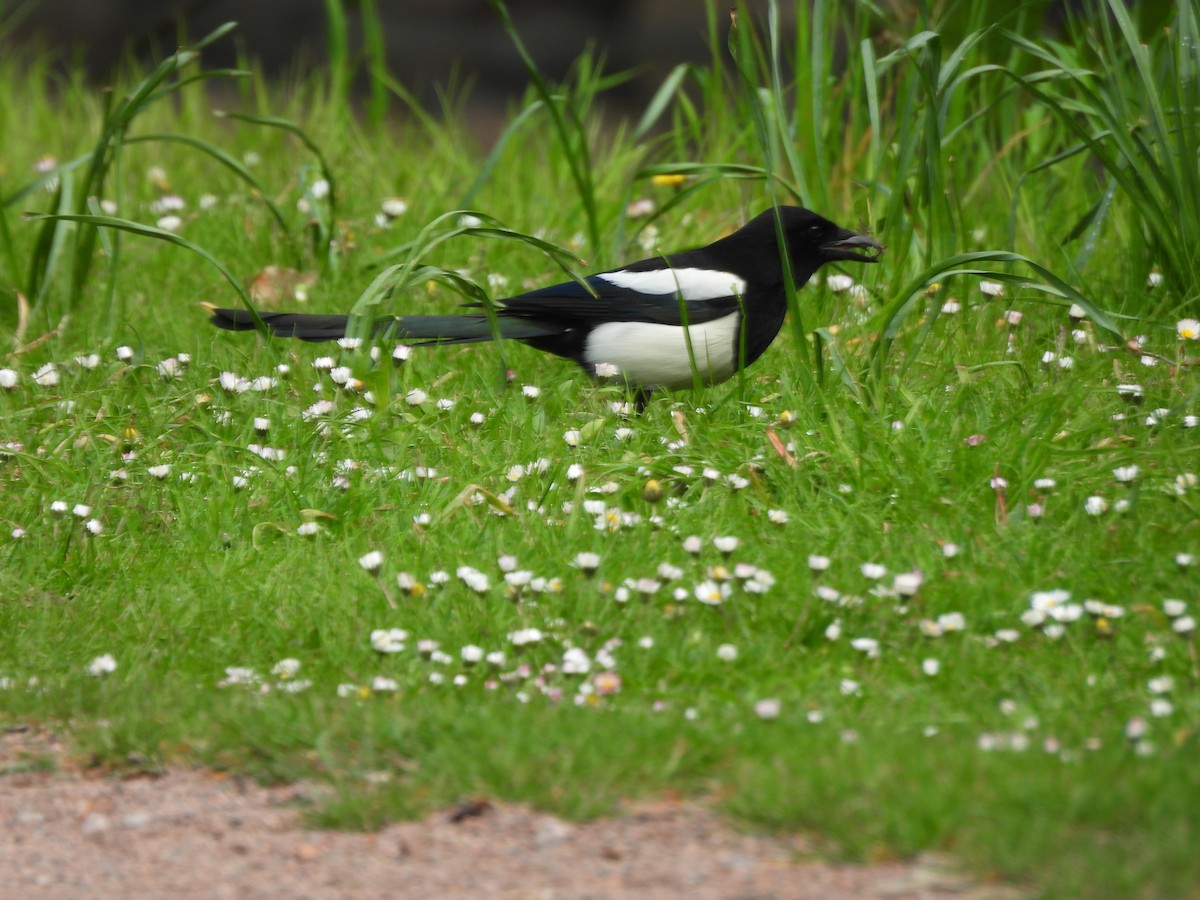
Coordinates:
(839,282)
(169,368)
(1135,728)
(576,662)
(640,208)
(606,683)
(692,544)
(768,708)
(647,587)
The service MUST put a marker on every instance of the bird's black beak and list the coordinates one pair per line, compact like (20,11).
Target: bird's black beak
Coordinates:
(847,246)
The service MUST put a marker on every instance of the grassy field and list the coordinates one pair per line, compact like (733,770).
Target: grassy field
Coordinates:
(924,578)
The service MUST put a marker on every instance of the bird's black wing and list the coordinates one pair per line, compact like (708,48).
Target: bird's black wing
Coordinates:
(599,300)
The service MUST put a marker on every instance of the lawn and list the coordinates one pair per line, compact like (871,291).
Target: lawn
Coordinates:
(923,577)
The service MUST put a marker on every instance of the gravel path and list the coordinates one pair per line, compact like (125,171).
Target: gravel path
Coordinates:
(197,834)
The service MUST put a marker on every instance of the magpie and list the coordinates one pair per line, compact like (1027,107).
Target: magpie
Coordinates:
(657,323)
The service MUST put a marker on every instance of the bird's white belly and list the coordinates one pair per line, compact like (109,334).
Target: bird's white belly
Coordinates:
(656,356)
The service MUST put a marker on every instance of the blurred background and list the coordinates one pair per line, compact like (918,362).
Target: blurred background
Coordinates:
(429,44)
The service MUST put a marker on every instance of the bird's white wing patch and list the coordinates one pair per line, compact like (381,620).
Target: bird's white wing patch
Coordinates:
(693,284)
(656,356)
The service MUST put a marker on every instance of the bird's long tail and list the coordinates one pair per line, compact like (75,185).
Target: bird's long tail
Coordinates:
(461,329)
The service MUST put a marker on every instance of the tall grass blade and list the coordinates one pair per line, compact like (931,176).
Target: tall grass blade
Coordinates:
(572,137)
(327,224)
(239,169)
(159,234)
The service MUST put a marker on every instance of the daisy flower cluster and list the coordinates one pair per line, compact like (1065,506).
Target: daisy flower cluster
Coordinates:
(357,433)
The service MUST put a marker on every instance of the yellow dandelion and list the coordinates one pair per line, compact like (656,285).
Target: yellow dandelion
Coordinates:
(668,180)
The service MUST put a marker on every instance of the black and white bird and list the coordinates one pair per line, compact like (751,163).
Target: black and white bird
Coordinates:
(659,323)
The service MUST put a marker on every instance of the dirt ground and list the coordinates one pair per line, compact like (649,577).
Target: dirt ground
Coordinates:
(193,833)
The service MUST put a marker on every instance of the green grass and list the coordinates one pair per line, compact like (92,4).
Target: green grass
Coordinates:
(1014,756)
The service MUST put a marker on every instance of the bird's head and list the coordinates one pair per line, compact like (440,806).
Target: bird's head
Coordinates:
(809,233)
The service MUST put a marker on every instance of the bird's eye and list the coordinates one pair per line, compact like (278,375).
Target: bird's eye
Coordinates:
(815,230)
